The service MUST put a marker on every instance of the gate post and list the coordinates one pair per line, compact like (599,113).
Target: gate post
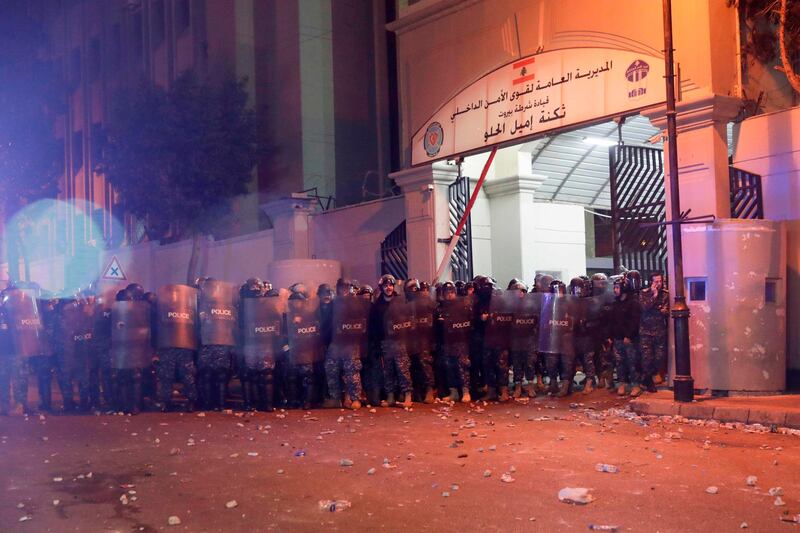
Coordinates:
(427,214)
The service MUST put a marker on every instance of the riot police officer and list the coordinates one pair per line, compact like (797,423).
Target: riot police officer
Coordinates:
(454,317)
(625,316)
(599,325)
(556,337)
(579,289)
(73,331)
(303,331)
(343,357)
(131,349)
(524,338)
(422,341)
(262,341)
(176,335)
(218,312)
(391,324)
(654,302)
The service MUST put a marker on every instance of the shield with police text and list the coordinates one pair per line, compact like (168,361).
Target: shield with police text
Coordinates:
(177,317)
(218,313)
(131,345)
(456,321)
(525,328)
(398,320)
(25,322)
(349,324)
(261,328)
(74,334)
(498,319)
(557,324)
(424,311)
(304,333)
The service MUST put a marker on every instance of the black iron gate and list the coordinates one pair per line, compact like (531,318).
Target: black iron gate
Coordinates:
(637,197)
(461,260)
(746,200)
(394,253)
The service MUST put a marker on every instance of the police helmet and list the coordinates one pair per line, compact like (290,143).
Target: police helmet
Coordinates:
(557,287)
(387,279)
(577,286)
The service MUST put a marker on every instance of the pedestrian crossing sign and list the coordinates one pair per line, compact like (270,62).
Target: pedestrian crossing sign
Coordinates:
(114,270)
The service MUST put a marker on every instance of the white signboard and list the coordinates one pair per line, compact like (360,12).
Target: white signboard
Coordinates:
(540,93)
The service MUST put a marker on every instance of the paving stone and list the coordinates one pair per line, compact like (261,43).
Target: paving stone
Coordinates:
(697,410)
(731,414)
(655,407)
(767,417)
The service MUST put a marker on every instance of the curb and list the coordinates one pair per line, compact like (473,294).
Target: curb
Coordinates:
(698,410)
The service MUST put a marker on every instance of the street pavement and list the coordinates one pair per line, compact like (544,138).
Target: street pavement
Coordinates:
(442,467)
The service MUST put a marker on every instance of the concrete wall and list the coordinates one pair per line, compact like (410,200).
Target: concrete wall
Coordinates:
(353,234)
(769,145)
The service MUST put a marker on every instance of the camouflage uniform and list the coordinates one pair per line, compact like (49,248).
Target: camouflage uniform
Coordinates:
(457,363)
(396,367)
(170,361)
(625,358)
(214,357)
(343,364)
(653,331)
(495,367)
(423,361)
(100,359)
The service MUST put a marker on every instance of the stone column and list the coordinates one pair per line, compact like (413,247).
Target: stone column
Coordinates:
(427,215)
(513,222)
(290,224)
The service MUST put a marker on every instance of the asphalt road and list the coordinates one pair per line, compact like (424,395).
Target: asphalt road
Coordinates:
(435,468)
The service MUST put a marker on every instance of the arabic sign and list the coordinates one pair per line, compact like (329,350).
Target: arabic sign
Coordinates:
(540,93)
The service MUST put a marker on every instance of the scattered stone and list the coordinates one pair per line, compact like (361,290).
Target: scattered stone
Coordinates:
(173,521)
(445,494)
(751,481)
(576,495)
(175,451)
(252,454)
(712,489)
(231,504)
(345,462)
(56,502)
(58,479)
(371,472)
(744,525)
(487,473)
(506,478)
(25,518)
(280,471)
(776,491)
(779,502)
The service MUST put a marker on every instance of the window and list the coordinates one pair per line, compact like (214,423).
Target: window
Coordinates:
(771,291)
(697,290)
(77,150)
(157,22)
(183,15)
(95,59)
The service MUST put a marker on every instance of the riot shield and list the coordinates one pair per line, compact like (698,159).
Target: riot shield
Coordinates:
(423,309)
(349,323)
(456,318)
(557,324)
(130,335)
(218,313)
(74,334)
(24,322)
(261,327)
(6,343)
(598,315)
(304,331)
(398,320)
(499,319)
(177,317)
(583,339)
(525,328)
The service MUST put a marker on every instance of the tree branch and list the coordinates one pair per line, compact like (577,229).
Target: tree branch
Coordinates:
(791,75)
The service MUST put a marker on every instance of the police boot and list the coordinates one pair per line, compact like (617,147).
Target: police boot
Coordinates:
(491,394)
(389,401)
(429,396)
(407,400)
(220,390)
(658,379)
(374,396)
(621,389)
(531,389)
(465,396)
(636,391)
(308,396)
(45,391)
(649,385)
(609,378)
(564,388)
(266,392)
(540,387)
(332,403)
(552,388)
(453,394)
(588,386)
(248,396)
(355,405)
(518,390)
(504,397)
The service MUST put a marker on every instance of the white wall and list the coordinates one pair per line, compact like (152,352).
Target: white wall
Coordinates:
(353,235)
(559,239)
(769,145)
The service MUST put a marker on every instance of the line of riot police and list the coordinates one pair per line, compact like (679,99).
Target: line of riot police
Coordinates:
(337,348)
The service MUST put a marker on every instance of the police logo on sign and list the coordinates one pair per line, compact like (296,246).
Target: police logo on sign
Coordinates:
(434,137)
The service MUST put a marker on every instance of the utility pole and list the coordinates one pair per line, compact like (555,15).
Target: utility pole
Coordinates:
(683,384)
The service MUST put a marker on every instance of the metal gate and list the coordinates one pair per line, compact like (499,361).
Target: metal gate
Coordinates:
(746,198)
(637,197)
(461,260)
(394,253)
